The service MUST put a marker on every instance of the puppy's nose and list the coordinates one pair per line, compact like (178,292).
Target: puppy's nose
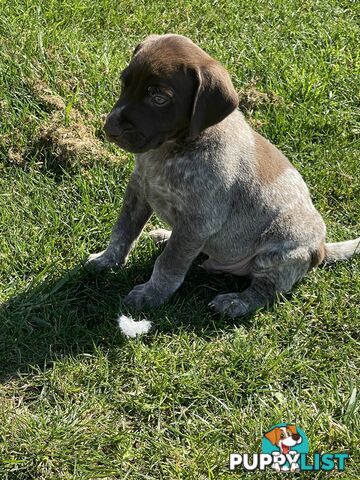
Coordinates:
(295,436)
(112,124)
(116,122)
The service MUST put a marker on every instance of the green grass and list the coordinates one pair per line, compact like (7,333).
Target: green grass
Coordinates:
(78,400)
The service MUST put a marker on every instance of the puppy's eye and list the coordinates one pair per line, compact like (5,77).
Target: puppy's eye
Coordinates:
(157,97)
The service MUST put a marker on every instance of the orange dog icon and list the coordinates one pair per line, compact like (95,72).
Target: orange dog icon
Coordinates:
(284,438)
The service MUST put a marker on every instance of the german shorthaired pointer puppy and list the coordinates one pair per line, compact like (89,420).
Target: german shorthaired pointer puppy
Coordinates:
(223,188)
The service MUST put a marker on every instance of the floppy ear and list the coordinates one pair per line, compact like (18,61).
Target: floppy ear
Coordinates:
(214,100)
(292,428)
(273,436)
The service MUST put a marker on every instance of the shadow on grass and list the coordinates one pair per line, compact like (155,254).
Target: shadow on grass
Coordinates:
(76,313)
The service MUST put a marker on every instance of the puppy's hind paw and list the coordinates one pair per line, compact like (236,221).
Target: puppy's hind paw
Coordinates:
(230,304)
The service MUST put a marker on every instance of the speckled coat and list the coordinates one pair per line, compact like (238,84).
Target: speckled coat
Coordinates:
(231,194)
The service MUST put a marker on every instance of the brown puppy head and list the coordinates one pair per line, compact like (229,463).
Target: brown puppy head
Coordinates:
(279,433)
(171,88)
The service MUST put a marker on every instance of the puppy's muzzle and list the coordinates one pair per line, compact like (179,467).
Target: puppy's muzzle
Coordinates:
(121,132)
(115,124)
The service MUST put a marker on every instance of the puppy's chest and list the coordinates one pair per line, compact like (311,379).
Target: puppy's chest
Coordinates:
(164,186)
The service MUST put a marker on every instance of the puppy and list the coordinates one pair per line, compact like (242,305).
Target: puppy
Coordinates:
(284,438)
(223,188)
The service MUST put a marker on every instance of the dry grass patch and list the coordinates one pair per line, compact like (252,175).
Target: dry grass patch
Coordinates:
(15,156)
(251,99)
(69,133)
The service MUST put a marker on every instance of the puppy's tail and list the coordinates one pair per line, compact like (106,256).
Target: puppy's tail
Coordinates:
(341,250)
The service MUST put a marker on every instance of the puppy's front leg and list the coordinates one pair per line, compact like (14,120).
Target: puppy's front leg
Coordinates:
(133,216)
(170,268)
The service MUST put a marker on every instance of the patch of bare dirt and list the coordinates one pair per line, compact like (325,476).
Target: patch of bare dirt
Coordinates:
(15,156)
(72,142)
(68,133)
(250,98)
(43,93)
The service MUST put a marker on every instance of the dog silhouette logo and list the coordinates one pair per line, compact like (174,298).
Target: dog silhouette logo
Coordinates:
(285,441)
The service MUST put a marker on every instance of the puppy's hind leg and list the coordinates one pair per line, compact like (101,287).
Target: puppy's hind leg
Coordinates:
(272,273)
(260,293)
(160,236)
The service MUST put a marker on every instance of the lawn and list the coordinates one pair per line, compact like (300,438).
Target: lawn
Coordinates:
(77,399)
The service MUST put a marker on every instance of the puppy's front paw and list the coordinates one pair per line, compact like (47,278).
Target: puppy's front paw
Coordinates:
(142,296)
(229,303)
(101,261)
